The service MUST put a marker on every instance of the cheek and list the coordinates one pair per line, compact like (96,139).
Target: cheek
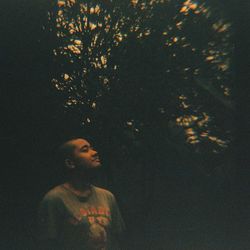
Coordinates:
(83,161)
(88,163)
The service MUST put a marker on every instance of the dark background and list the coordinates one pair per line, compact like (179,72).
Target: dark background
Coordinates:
(168,208)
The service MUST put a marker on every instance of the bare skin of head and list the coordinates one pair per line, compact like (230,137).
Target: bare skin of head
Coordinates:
(84,158)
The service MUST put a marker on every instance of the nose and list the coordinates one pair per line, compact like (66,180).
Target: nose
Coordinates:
(94,152)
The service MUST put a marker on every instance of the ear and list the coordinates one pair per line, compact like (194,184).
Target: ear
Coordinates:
(69,164)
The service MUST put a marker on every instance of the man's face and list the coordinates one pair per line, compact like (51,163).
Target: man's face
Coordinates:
(83,155)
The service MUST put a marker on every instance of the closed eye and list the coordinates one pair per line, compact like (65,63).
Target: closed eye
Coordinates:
(86,148)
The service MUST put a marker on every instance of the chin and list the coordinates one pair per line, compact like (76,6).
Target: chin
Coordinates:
(97,165)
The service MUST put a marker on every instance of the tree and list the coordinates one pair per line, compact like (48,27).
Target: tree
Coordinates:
(136,65)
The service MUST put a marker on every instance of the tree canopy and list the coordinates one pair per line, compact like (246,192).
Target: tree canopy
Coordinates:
(131,67)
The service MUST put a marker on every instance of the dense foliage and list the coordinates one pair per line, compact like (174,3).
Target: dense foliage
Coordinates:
(134,67)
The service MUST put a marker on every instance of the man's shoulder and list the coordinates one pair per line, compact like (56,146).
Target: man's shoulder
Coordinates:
(55,193)
(103,191)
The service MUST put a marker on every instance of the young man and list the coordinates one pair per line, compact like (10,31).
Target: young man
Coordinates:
(78,215)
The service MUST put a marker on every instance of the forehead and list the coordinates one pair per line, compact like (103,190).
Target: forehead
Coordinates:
(79,143)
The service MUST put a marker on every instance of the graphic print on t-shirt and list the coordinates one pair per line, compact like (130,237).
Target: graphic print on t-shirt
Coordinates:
(96,220)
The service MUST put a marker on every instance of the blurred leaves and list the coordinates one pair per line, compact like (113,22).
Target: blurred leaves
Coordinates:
(134,67)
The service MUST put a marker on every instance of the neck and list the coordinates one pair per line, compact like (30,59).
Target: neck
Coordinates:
(80,184)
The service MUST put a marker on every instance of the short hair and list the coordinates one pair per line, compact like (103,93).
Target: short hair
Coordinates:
(65,150)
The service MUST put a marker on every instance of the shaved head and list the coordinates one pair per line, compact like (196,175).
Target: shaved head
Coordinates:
(66,149)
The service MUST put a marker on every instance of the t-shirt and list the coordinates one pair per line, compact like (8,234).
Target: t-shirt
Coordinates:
(80,223)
